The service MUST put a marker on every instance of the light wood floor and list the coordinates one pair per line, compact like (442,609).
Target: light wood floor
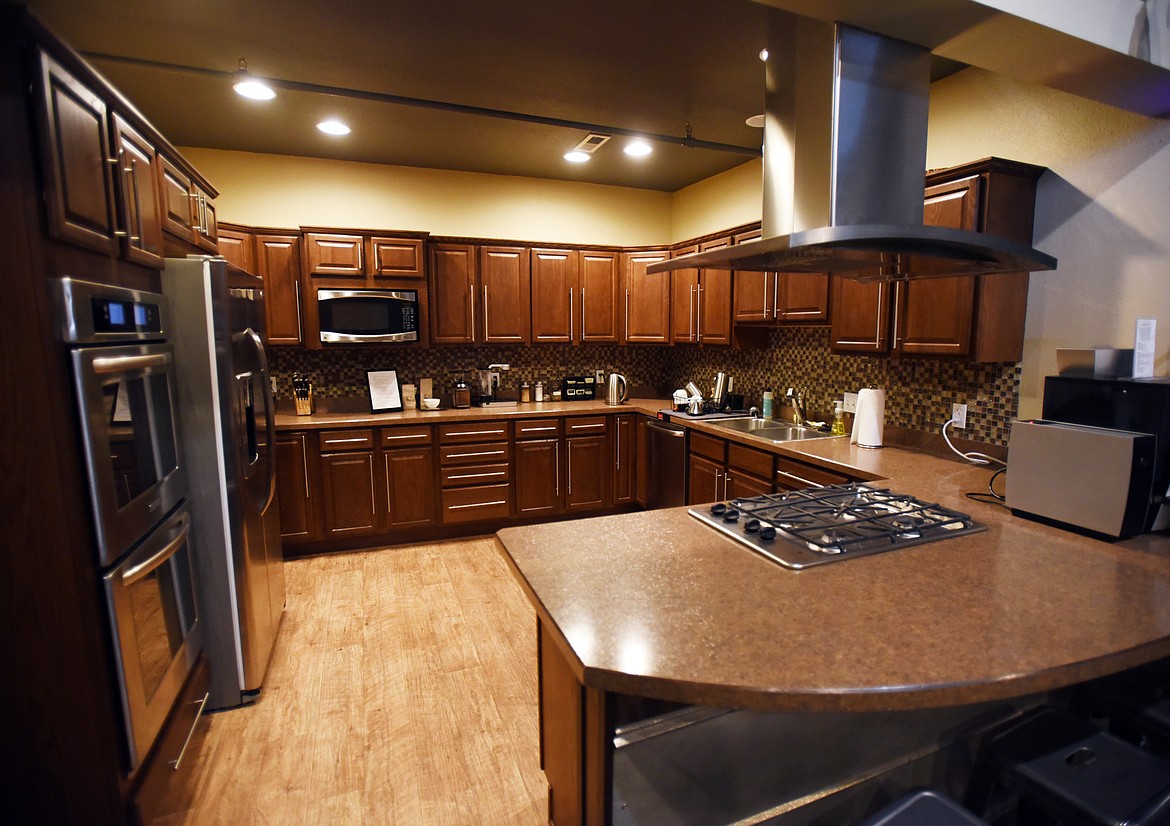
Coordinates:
(402,691)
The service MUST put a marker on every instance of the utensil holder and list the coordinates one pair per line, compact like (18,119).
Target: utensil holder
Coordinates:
(304,402)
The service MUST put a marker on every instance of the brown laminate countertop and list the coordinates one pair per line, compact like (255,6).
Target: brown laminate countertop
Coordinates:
(657,604)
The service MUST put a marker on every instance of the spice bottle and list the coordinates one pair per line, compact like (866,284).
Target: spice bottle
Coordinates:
(525,392)
(538,392)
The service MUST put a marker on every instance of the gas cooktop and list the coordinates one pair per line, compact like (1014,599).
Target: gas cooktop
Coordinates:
(814,526)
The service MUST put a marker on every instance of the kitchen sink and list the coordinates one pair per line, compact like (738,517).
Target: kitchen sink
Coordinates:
(770,430)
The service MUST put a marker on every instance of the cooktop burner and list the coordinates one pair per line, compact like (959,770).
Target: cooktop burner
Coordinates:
(813,526)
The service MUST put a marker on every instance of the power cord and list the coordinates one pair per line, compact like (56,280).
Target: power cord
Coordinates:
(991,497)
(973,457)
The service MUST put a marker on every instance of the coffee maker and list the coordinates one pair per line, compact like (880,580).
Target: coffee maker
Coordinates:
(485,384)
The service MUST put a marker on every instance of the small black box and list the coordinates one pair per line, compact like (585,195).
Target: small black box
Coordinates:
(579,389)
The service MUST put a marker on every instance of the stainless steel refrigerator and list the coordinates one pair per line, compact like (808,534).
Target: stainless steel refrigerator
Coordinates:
(229,437)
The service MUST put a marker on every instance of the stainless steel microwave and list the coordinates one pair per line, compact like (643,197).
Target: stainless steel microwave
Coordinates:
(367,316)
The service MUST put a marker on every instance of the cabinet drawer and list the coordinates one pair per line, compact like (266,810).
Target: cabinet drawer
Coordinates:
(585,426)
(451,434)
(481,454)
(463,475)
(708,446)
(792,474)
(749,460)
(537,428)
(476,503)
(362,439)
(406,436)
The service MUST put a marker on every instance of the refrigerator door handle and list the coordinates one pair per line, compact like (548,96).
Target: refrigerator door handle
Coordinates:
(269,417)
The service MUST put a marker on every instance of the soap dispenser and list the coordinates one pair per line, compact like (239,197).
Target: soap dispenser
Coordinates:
(767,413)
(838,418)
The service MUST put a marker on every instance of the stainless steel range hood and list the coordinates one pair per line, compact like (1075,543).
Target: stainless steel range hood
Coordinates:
(844,166)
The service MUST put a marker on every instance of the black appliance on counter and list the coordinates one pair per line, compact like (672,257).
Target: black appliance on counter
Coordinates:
(1139,405)
(579,389)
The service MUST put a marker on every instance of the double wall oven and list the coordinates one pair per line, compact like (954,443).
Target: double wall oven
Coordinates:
(124,380)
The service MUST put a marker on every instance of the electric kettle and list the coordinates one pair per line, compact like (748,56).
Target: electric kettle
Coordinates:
(616,389)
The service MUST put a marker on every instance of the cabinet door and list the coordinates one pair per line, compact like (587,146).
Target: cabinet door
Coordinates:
(684,303)
(505,295)
(554,287)
(802,296)
(600,286)
(586,473)
(236,247)
(625,459)
(278,263)
(410,487)
(538,477)
(142,238)
(395,257)
(753,293)
(349,505)
(714,300)
(706,481)
(934,316)
(452,293)
(177,212)
(79,185)
(294,488)
(741,484)
(861,316)
(329,254)
(647,300)
(206,234)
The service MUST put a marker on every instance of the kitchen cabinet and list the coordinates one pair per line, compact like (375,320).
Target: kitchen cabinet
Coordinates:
(137,169)
(408,463)
(538,450)
(475,465)
(792,474)
(452,274)
(684,284)
(506,295)
(978,318)
(188,209)
(587,463)
(647,299)
(778,297)
(600,290)
(278,263)
(625,450)
(368,257)
(555,274)
(235,244)
(348,499)
(295,484)
(720,470)
(700,300)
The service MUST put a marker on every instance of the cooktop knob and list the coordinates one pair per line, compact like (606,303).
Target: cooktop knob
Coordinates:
(751,526)
(730,515)
(718,508)
(768,533)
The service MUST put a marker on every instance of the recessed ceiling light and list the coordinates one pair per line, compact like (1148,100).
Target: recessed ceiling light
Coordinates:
(249,87)
(577,156)
(638,148)
(755,120)
(763,54)
(333,127)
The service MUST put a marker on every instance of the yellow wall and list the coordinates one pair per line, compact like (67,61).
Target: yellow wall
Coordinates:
(1103,209)
(726,200)
(283,191)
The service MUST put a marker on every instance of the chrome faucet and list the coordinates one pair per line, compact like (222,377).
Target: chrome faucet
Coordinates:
(796,399)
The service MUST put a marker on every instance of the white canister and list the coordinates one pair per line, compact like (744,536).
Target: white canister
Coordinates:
(538,392)
(869,421)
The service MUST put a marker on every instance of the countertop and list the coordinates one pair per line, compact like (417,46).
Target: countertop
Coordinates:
(657,604)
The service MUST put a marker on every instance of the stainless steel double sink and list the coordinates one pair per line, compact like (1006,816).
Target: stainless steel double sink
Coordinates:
(769,430)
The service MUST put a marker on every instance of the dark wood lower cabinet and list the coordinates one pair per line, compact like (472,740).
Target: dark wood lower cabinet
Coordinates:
(294,487)
(705,480)
(349,504)
(538,477)
(586,471)
(410,490)
(625,450)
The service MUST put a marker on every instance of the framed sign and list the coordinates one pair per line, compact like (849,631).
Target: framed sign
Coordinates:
(385,394)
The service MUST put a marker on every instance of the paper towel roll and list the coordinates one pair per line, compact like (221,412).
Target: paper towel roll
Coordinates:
(870,419)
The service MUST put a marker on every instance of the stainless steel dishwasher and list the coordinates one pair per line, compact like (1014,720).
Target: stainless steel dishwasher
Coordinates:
(666,474)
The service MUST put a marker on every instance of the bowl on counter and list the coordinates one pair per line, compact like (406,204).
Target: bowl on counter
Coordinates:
(430,404)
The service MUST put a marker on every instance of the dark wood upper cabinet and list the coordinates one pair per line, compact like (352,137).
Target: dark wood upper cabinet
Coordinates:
(861,316)
(801,297)
(684,300)
(395,257)
(79,185)
(175,186)
(504,295)
(364,257)
(335,254)
(714,299)
(555,274)
(278,263)
(646,300)
(141,219)
(452,279)
(600,291)
(236,246)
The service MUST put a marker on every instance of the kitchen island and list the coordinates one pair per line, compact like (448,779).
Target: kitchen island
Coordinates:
(657,605)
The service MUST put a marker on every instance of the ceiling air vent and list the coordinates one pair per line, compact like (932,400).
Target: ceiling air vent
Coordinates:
(591,142)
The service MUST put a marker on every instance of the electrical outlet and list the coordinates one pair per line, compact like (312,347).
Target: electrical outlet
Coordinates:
(850,403)
(959,414)
(272,383)
(599,377)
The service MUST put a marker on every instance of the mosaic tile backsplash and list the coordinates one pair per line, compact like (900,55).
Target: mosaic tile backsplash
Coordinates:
(919,392)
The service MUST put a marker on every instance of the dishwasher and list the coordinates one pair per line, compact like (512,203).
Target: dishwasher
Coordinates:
(666,472)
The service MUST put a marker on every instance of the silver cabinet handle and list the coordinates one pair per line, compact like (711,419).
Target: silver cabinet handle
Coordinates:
(557,453)
(619,444)
(386,437)
(471,307)
(386,462)
(476,433)
(537,429)
(174,764)
(897,310)
(718,473)
(794,477)
(477,505)
(331,442)
(485,313)
(479,453)
(300,327)
(586,426)
(118,364)
(569,467)
(305,460)
(627,315)
(137,199)
(775,295)
(699,313)
(477,475)
(691,316)
(583,327)
(570,315)
(877,332)
(726,480)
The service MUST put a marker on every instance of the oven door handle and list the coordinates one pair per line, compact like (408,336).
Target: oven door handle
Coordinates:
(123,364)
(144,568)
